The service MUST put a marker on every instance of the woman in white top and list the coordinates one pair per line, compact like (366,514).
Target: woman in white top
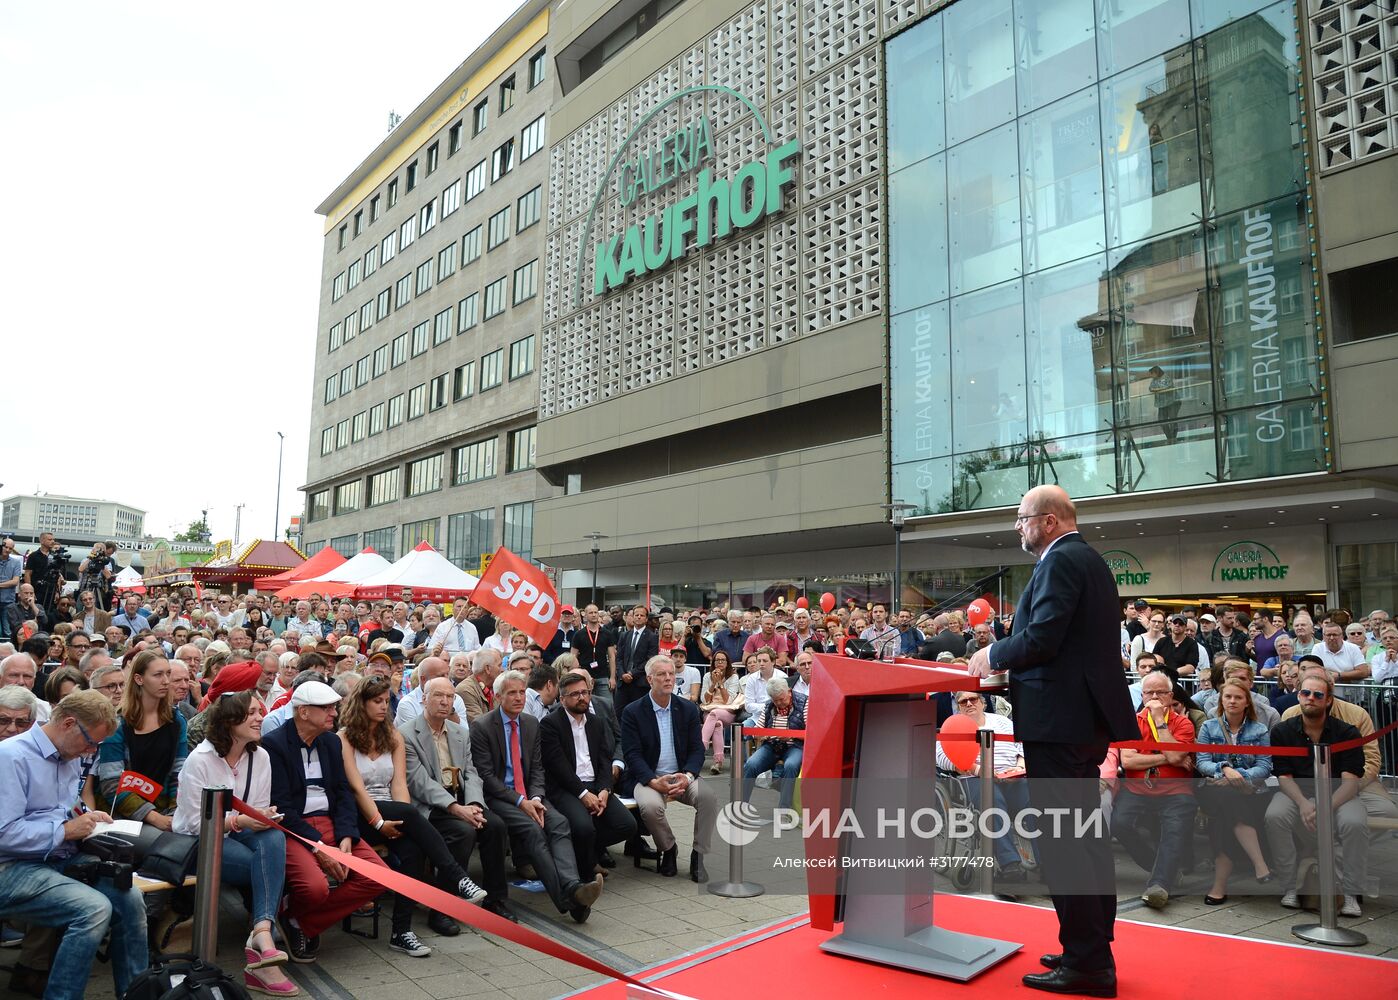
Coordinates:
(376,766)
(1155,631)
(254,854)
(720,701)
(501,639)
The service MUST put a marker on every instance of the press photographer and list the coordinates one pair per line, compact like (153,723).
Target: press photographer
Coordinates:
(44,569)
(41,830)
(97,572)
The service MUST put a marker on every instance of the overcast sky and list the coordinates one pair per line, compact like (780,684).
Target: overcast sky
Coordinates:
(162,253)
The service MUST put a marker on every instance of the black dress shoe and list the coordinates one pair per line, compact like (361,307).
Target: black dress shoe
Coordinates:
(580,913)
(697,871)
(501,909)
(637,849)
(1061,980)
(1051,961)
(605,859)
(668,862)
(1013,872)
(440,923)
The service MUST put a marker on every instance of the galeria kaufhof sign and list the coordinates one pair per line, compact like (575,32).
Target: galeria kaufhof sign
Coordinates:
(717,207)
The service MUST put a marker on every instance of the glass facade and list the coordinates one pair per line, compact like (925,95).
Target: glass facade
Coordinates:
(1100,271)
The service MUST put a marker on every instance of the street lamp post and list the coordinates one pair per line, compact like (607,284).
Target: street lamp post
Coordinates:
(897,515)
(277,527)
(595,536)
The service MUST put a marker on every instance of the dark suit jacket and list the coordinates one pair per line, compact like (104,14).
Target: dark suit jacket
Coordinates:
(561,757)
(489,752)
(640,739)
(946,641)
(631,654)
(1064,656)
(555,648)
(284,746)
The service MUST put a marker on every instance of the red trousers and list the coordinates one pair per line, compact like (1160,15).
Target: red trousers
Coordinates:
(311,901)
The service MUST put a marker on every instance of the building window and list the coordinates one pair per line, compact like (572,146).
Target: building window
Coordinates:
(311,548)
(417,401)
(412,177)
(383,487)
(393,192)
(337,337)
(526,281)
(521,449)
(380,361)
(507,94)
(376,418)
(463,382)
(495,298)
(451,198)
(472,462)
(337,287)
(421,333)
(353,273)
(538,68)
(388,249)
(400,349)
(470,246)
(344,231)
(427,217)
(425,475)
(346,380)
(358,222)
(531,140)
(332,388)
(519,529)
(446,261)
(395,410)
(498,228)
(480,115)
(454,139)
(503,160)
(327,440)
(346,545)
(318,506)
(382,541)
(475,180)
(424,274)
(491,366)
(440,386)
(466,311)
(417,532)
(470,536)
(351,326)
(385,303)
(403,291)
(527,210)
(432,152)
(522,357)
(371,261)
(366,315)
(342,434)
(441,327)
(361,371)
(359,426)
(407,232)
(373,210)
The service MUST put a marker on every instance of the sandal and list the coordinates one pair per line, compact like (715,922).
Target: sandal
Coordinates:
(286,988)
(261,959)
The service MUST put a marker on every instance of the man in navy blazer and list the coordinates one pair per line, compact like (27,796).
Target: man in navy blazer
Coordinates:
(662,744)
(1070,700)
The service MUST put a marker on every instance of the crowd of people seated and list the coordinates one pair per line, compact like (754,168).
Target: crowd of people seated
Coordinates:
(409,735)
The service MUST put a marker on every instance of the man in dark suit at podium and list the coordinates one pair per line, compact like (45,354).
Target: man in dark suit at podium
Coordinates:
(1064,661)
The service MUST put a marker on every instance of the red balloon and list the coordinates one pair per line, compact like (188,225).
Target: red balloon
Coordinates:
(827,602)
(978,611)
(962,753)
(801,602)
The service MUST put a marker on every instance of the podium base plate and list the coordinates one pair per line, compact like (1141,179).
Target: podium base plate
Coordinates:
(937,952)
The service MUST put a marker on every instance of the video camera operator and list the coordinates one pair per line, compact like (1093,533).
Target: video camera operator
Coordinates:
(97,572)
(43,570)
(41,827)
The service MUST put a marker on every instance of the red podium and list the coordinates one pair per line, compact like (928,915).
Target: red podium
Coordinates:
(873,720)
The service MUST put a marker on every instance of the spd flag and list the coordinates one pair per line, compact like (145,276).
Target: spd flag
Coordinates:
(521,594)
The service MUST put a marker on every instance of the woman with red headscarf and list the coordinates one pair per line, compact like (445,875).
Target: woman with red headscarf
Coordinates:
(231,679)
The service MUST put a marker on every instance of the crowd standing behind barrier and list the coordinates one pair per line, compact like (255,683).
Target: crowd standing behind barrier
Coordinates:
(199,682)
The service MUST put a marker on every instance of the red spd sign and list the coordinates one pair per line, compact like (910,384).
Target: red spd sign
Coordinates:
(139,784)
(520,593)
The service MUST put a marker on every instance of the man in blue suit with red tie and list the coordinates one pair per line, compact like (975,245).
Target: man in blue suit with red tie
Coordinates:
(1070,701)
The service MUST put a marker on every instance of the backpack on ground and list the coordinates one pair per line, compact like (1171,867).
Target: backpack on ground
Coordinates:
(184,977)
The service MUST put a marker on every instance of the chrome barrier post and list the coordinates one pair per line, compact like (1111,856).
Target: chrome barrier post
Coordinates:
(986,739)
(1326,932)
(209,872)
(736,887)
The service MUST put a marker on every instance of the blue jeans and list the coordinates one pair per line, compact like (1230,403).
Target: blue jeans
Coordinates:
(764,758)
(1011,798)
(257,860)
(1162,857)
(39,893)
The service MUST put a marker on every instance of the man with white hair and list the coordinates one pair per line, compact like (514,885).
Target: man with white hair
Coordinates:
(411,706)
(304,625)
(456,634)
(19,669)
(476,691)
(18,710)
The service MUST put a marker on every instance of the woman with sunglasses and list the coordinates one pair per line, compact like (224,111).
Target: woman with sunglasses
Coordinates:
(376,766)
(254,854)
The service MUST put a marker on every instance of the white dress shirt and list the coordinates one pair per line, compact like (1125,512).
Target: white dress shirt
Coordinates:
(410,707)
(455,637)
(580,748)
(1384,666)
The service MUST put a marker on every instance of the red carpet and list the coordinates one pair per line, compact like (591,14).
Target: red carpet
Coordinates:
(1154,963)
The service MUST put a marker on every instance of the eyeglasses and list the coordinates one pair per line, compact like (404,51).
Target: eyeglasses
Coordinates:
(113,687)
(1308,693)
(1022,518)
(91,743)
(16,722)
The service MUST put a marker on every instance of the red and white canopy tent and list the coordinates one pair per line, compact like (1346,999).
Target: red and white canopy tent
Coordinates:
(322,562)
(129,580)
(426,571)
(339,581)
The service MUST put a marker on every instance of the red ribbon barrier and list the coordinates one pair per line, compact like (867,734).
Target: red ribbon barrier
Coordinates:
(794,734)
(454,906)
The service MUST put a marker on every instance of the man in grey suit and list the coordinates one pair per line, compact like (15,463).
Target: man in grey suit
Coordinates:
(508,754)
(432,743)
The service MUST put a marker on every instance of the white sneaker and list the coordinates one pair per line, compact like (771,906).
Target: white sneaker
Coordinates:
(469,891)
(1351,907)
(408,944)
(1290,901)
(764,780)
